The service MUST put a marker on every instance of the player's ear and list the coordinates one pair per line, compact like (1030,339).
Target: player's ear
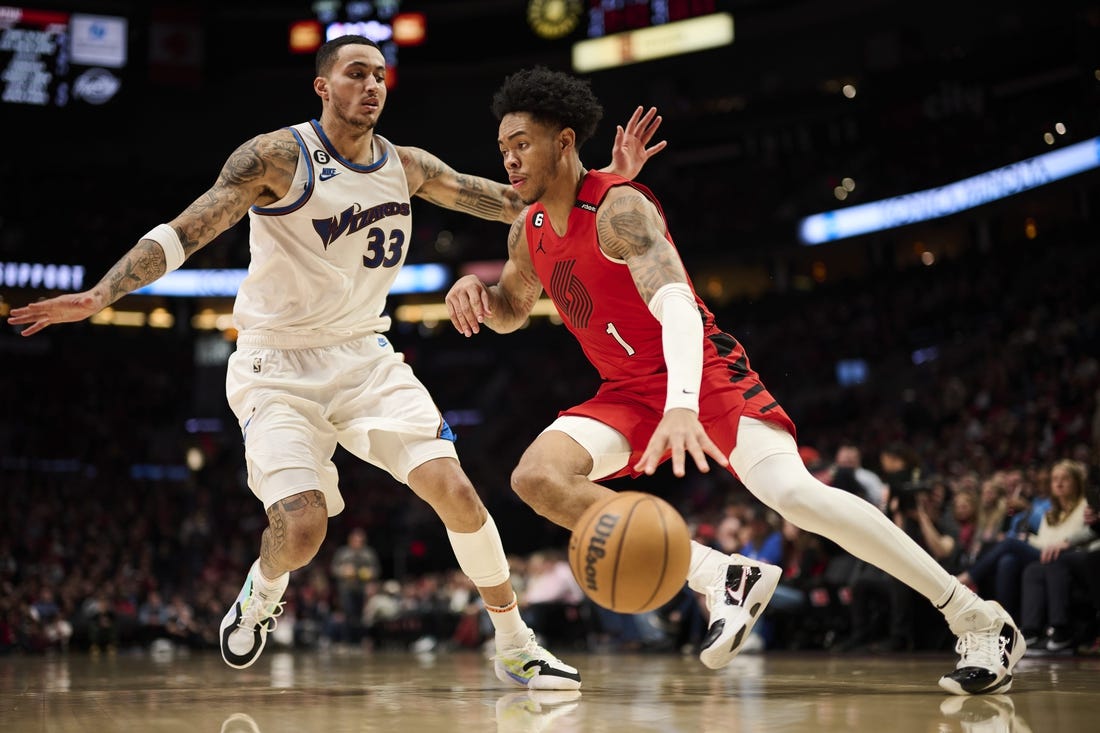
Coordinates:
(567,138)
(320,85)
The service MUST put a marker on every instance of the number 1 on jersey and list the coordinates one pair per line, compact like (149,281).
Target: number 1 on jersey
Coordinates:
(615,335)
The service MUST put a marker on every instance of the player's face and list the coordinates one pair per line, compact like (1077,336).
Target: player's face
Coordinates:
(532,154)
(356,89)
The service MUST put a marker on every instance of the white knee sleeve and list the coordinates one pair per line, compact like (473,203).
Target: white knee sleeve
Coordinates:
(480,554)
(783,483)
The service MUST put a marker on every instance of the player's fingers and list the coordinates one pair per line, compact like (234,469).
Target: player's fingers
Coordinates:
(456,318)
(463,314)
(632,124)
(713,451)
(678,459)
(654,149)
(486,305)
(647,464)
(650,122)
(34,328)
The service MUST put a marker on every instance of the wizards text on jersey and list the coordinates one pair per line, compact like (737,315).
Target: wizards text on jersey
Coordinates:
(352,219)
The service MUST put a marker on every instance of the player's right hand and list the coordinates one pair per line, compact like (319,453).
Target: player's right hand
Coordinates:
(468,304)
(62,309)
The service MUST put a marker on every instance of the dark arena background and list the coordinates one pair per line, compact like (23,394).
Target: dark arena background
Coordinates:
(893,206)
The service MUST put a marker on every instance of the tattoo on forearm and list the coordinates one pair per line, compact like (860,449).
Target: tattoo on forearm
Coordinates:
(475,200)
(140,266)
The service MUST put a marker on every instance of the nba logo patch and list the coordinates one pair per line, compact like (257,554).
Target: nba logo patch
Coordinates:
(257,364)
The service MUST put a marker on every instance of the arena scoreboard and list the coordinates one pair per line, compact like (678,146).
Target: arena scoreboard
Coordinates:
(51,58)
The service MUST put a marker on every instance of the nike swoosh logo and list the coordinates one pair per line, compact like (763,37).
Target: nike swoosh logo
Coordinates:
(328,173)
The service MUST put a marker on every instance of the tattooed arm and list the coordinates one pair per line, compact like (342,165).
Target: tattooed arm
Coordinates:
(258,172)
(432,179)
(631,229)
(503,307)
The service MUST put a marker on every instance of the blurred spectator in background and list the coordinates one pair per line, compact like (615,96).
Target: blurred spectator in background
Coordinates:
(1066,569)
(552,597)
(964,506)
(997,572)
(992,514)
(849,460)
(354,565)
(1027,500)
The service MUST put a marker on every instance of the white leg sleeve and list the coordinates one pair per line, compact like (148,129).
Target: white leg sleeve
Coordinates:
(481,555)
(766,458)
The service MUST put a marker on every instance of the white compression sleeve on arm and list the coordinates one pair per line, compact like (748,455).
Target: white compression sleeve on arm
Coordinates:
(481,555)
(682,341)
(169,241)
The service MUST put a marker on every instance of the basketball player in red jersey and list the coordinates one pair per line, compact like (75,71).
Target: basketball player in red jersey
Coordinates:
(675,386)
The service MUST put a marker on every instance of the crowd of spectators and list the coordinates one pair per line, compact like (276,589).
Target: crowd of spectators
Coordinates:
(108,540)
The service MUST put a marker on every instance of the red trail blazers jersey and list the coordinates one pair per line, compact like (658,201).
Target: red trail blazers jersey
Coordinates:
(600,304)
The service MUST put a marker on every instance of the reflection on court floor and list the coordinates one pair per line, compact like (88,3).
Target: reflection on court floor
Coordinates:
(458,693)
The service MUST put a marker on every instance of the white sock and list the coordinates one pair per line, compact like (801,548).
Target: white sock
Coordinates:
(270,590)
(511,630)
(964,609)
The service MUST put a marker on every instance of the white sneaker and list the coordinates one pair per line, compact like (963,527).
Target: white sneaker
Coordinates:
(989,650)
(533,667)
(245,628)
(736,599)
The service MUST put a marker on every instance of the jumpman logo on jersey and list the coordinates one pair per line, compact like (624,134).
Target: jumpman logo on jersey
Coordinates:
(539,247)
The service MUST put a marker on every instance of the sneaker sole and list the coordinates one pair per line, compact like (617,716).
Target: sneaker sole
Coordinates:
(719,651)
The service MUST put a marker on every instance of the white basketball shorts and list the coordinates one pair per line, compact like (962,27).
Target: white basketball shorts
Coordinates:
(294,406)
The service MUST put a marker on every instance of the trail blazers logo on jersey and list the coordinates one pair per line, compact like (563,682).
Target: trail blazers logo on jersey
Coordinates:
(352,219)
(570,294)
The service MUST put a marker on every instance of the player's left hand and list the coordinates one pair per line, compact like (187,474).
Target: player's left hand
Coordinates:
(66,308)
(629,152)
(681,433)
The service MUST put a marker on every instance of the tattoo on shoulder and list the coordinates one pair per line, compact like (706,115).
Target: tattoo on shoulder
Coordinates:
(625,227)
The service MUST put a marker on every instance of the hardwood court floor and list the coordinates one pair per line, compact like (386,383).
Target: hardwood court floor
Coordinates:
(310,692)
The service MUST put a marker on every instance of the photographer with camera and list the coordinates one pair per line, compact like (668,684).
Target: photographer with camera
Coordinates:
(1002,566)
(916,505)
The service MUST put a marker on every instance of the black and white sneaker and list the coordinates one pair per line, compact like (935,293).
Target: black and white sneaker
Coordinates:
(988,651)
(531,666)
(736,598)
(245,628)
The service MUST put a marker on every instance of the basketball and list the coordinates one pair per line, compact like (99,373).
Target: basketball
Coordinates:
(630,552)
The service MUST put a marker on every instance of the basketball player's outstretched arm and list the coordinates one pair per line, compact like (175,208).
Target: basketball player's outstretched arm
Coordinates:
(433,180)
(503,307)
(259,171)
(630,228)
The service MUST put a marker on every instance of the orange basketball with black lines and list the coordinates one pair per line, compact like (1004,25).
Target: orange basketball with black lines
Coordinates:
(630,552)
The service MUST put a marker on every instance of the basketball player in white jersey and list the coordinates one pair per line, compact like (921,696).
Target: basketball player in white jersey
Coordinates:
(329,211)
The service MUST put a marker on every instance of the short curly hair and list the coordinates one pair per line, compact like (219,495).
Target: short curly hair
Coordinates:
(550,97)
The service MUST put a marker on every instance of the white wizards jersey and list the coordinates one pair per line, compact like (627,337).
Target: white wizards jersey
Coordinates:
(325,256)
